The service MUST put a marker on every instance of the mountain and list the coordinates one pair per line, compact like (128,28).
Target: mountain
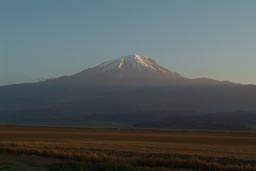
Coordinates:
(131,91)
(133,70)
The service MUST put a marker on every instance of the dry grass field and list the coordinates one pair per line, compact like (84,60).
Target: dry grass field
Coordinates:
(128,149)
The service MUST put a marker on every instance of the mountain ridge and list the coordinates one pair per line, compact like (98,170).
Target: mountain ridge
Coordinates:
(131,90)
(133,70)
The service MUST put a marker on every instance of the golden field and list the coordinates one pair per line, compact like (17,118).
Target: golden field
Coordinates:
(159,149)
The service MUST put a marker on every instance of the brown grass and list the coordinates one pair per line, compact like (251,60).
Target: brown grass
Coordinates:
(141,148)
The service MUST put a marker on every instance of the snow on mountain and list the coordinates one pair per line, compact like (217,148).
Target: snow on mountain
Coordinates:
(132,70)
(132,62)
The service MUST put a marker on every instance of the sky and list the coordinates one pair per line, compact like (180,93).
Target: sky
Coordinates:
(196,38)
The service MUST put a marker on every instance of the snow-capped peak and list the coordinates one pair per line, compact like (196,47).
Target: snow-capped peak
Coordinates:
(132,62)
(132,70)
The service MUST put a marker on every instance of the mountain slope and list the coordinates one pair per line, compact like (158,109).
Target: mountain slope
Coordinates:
(132,70)
(132,90)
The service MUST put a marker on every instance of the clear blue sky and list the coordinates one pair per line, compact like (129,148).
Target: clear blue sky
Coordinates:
(196,38)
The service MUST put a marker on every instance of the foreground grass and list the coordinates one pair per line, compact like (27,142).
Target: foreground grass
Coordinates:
(84,166)
(132,150)
(18,162)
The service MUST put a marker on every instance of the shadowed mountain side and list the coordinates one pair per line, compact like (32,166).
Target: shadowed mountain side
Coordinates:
(37,103)
(133,70)
(131,89)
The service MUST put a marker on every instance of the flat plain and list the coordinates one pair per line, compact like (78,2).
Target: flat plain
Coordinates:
(63,148)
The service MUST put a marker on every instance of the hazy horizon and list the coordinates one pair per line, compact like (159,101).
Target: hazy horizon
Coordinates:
(48,39)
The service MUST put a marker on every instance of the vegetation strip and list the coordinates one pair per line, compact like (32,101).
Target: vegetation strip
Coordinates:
(156,161)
